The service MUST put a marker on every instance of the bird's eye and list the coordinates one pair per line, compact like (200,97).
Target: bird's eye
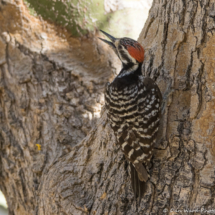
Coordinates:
(120,47)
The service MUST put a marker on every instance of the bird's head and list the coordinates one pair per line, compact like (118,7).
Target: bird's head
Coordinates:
(128,50)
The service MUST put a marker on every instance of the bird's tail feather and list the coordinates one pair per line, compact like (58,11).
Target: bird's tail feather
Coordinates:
(139,187)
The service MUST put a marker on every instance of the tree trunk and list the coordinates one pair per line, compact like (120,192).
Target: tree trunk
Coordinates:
(57,151)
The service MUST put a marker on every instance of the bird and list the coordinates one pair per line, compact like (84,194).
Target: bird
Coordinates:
(133,103)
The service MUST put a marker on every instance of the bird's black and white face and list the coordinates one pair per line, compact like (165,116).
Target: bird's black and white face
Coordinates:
(128,50)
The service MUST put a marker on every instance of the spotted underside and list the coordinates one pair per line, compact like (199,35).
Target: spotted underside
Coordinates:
(134,115)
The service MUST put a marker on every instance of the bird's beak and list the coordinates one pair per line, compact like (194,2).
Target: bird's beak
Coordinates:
(111,44)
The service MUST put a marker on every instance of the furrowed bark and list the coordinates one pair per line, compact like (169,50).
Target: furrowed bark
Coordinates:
(58,154)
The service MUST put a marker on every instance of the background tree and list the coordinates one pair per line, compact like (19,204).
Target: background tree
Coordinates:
(58,153)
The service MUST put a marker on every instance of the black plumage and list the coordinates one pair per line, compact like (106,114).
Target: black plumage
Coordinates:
(133,105)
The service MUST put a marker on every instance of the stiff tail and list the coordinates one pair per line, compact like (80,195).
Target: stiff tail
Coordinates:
(139,187)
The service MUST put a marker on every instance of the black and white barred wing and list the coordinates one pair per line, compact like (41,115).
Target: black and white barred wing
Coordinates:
(121,105)
(140,133)
(149,106)
(112,105)
(134,114)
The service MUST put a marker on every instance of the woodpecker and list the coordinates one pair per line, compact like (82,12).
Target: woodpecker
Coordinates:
(133,104)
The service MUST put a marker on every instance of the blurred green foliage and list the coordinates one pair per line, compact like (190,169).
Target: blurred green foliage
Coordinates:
(78,16)
(119,17)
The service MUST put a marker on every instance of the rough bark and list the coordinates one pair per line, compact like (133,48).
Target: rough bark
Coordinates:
(58,157)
